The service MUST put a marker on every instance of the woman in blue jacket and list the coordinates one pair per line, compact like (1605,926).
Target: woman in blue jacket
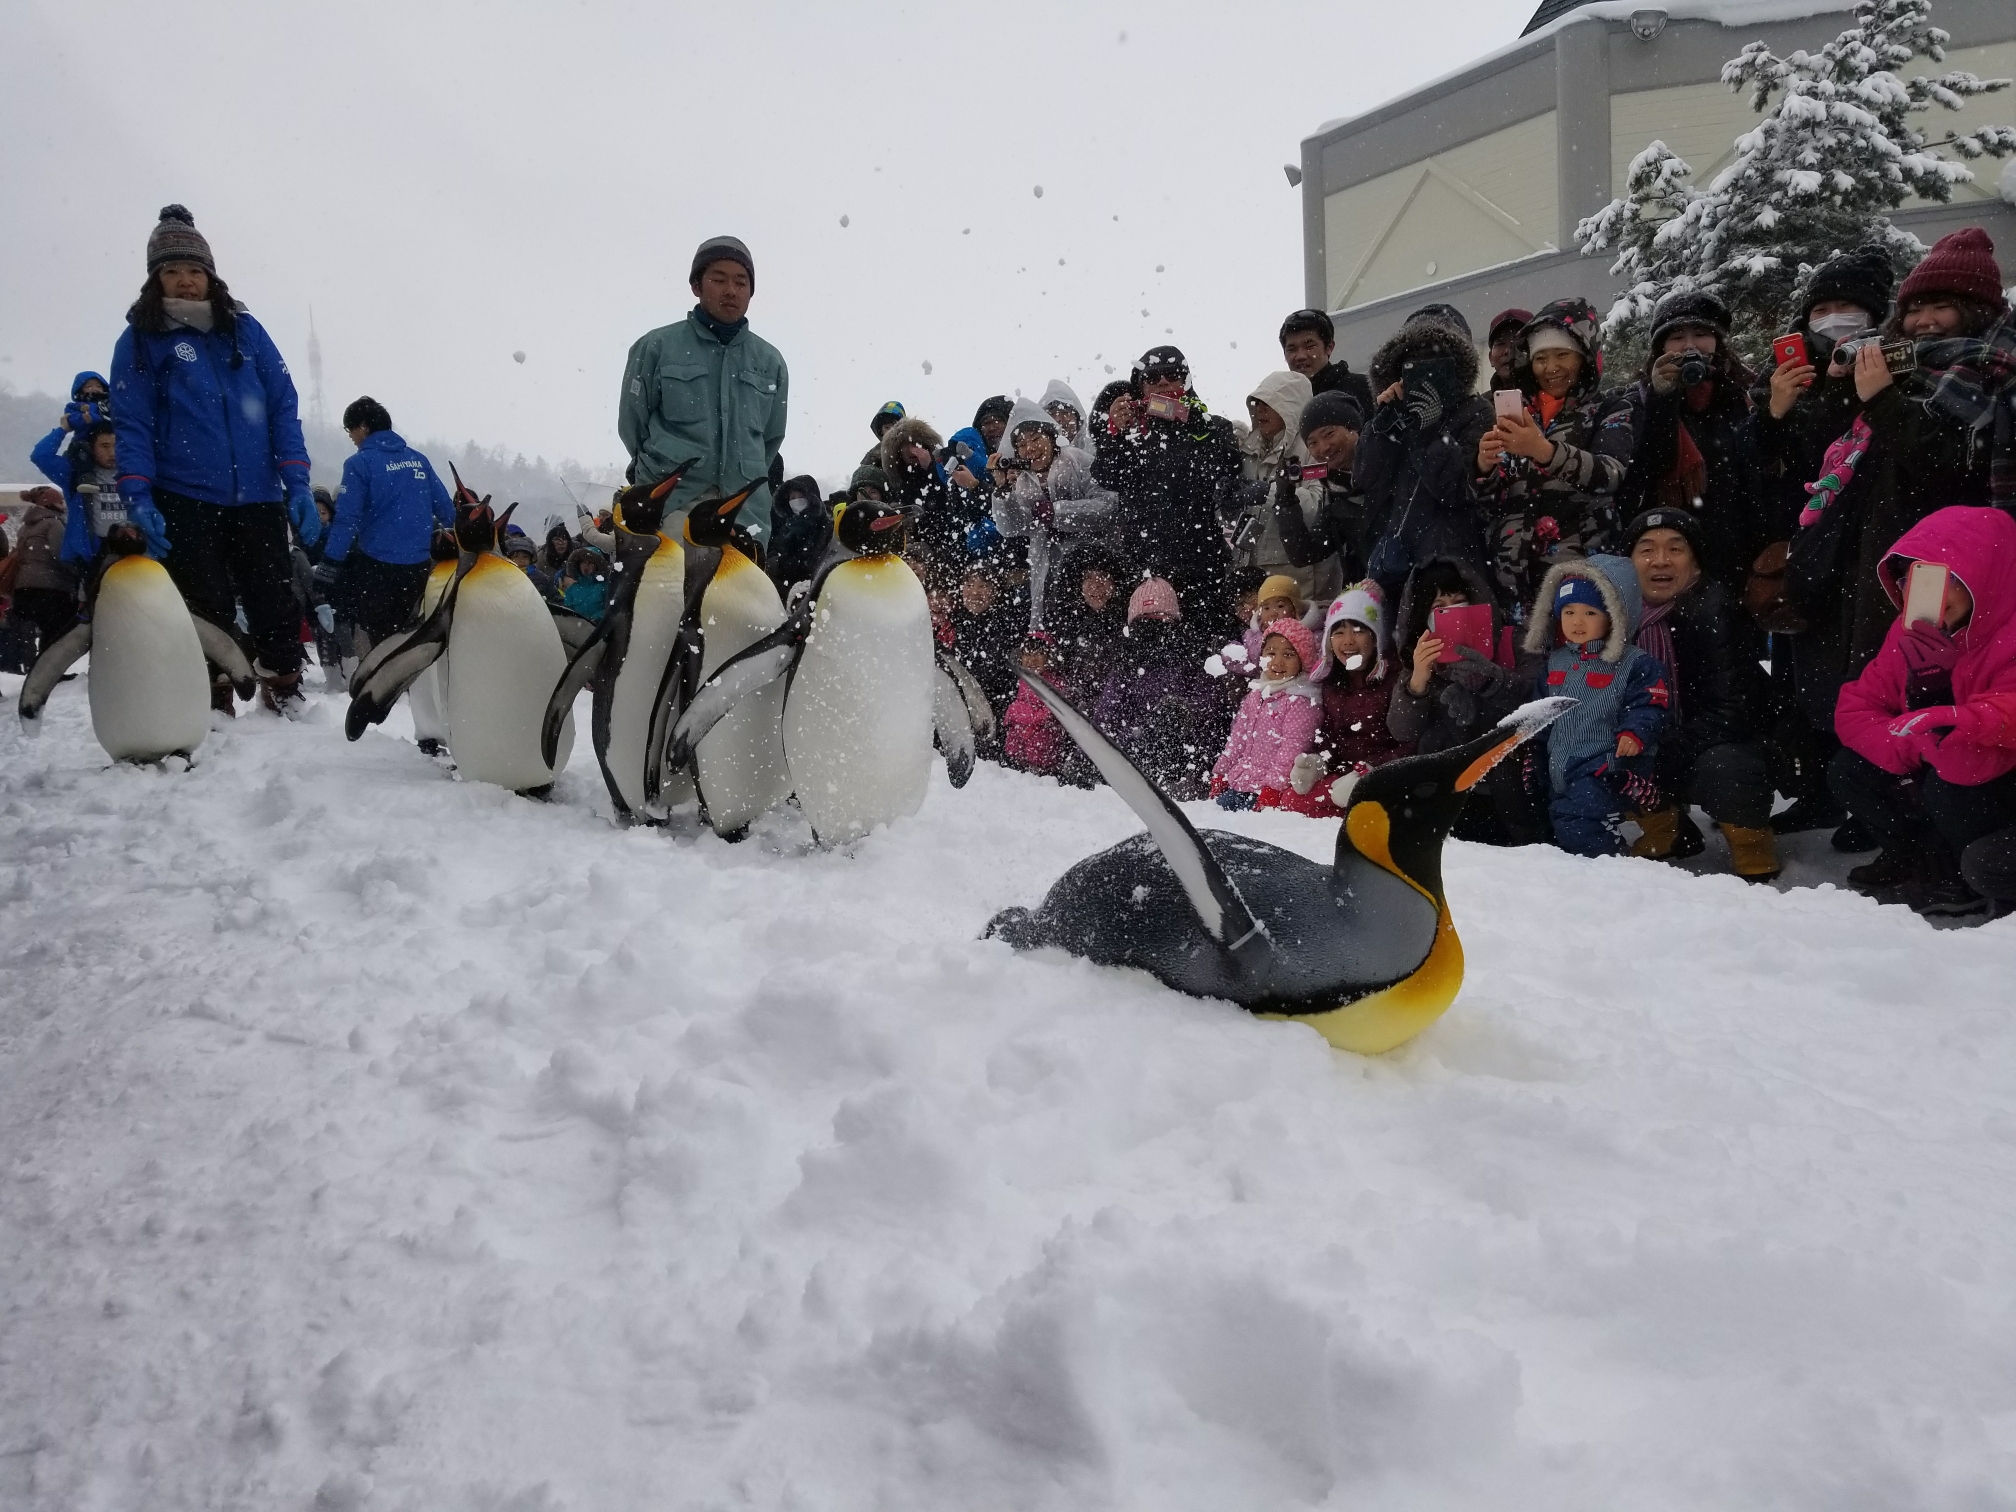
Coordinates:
(392,501)
(208,434)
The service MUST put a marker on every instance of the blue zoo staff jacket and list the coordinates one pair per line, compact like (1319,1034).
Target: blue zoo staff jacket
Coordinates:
(388,506)
(208,415)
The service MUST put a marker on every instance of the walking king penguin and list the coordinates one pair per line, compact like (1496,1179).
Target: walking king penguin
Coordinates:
(150,691)
(428,697)
(1362,950)
(504,651)
(862,693)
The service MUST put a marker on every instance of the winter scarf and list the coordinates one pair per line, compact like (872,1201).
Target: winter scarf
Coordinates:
(1837,471)
(1655,638)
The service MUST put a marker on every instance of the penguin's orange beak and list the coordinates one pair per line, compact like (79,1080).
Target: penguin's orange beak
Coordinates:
(1476,771)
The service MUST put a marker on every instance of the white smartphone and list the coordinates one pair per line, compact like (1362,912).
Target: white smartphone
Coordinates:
(1925,594)
(1508,403)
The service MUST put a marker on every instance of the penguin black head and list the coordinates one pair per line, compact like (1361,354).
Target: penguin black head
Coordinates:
(124,541)
(870,527)
(1414,802)
(711,522)
(640,508)
(475,525)
(442,547)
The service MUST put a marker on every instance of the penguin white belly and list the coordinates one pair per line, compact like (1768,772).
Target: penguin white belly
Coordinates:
(741,762)
(654,629)
(506,656)
(150,690)
(857,727)
(428,697)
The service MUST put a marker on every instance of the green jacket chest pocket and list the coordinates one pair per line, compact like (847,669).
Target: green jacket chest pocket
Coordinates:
(755,398)
(685,393)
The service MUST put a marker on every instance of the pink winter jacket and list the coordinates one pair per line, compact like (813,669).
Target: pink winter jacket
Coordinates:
(1979,546)
(1033,739)
(1270,732)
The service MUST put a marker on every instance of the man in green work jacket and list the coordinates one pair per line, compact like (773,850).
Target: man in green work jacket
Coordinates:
(708,387)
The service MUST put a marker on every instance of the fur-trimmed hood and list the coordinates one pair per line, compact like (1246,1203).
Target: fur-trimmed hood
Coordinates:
(906,432)
(1575,318)
(1426,340)
(1615,579)
(1415,601)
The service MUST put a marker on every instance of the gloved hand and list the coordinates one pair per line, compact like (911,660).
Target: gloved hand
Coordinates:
(1926,648)
(327,574)
(325,616)
(78,415)
(1423,405)
(1306,770)
(306,517)
(137,494)
(982,537)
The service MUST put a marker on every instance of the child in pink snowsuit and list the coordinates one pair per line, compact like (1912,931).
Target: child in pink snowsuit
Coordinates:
(1033,739)
(1277,722)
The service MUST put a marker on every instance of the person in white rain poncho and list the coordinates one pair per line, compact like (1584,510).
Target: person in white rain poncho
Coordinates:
(1060,403)
(1052,501)
(1270,444)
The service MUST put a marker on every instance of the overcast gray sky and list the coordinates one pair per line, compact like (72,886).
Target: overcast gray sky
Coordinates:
(446,184)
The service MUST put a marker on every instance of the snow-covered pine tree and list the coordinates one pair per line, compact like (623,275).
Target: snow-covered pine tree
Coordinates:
(1836,150)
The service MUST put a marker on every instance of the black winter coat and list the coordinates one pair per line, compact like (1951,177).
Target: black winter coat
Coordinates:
(1169,476)
(1732,524)
(1723,693)
(798,540)
(1337,377)
(1338,530)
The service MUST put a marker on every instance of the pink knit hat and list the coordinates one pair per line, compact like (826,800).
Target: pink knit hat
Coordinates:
(1155,599)
(1297,634)
(1961,263)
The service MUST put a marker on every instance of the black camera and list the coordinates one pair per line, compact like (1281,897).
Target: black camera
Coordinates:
(1693,369)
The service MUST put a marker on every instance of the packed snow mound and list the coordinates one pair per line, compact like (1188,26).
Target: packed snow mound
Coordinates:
(375,1140)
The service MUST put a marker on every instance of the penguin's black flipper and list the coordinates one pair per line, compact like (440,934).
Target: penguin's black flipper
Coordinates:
(221,648)
(389,668)
(682,672)
(48,671)
(961,716)
(756,666)
(1217,903)
(586,662)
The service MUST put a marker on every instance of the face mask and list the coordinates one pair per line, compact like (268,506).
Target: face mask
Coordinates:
(1838,327)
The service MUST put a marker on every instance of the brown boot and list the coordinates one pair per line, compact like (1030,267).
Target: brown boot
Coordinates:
(222,699)
(281,692)
(1656,843)
(1754,852)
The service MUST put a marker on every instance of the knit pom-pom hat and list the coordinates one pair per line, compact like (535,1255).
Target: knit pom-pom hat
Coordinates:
(1298,635)
(176,239)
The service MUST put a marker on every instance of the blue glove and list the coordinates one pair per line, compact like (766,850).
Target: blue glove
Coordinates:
(137,494)
(326,618)
(306,517)
(982,537)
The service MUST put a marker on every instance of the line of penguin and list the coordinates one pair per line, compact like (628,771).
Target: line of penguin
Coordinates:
(703,682)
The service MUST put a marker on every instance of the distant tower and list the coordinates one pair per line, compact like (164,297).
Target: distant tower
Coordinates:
(318,416)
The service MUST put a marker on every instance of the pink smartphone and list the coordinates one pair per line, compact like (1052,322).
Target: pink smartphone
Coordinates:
(1925,594)
(1462,625)
(1509,404)
(1162,407)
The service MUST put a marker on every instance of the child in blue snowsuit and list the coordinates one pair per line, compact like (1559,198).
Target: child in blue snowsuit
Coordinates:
(1600,753)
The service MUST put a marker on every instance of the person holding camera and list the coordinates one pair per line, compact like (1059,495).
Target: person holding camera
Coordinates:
(1689,418)
(1048,498)
(1549,468)
(1327,540)
(1168,458)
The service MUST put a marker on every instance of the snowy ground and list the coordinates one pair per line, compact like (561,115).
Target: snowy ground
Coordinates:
(372,1140)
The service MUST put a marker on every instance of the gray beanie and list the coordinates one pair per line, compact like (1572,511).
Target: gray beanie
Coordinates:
(176,239)
(722,249)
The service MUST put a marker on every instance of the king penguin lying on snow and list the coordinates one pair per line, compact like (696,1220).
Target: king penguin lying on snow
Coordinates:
(150,691)
(1362,950)
(505,650)
(865,687)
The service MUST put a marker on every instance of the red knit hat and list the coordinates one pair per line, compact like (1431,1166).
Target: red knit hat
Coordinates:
(1962,263)
(1297,634)
(1154,599)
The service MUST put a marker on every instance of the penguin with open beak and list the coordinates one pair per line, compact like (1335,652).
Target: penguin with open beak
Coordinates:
(1362,950)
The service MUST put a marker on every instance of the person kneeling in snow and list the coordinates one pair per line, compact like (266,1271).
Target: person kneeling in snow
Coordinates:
(1355,676)
(1600,753)
(1929,728)
(1277,722)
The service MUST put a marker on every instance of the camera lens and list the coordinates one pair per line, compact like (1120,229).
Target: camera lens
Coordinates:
(1693,369)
